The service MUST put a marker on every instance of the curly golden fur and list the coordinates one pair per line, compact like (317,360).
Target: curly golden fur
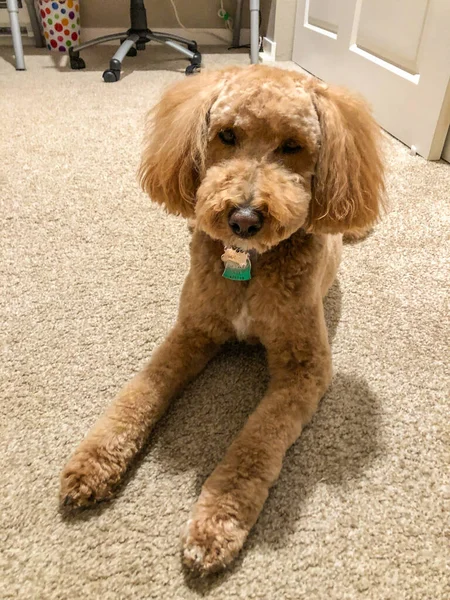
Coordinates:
(305,156)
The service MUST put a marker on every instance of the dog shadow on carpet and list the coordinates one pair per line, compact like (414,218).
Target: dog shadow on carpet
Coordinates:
(201,424)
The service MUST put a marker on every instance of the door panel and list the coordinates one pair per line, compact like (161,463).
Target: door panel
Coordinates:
(392,30)
(324,14)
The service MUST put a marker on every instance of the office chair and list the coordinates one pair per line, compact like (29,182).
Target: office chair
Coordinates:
(135,39)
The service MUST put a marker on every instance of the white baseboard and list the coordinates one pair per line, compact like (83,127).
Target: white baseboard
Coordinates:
(204,37)
(269,50)
(446,148)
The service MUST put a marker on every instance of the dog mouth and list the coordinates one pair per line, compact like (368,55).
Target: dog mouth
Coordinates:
(242,245)
(249,225)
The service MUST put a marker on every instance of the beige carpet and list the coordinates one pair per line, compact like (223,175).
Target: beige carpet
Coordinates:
(90,276)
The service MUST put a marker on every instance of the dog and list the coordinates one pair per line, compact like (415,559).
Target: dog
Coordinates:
(272,168)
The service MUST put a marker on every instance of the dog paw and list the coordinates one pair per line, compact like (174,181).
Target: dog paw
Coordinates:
(85,480)
(211,542)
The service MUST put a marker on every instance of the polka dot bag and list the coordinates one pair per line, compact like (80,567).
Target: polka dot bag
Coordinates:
(61,23)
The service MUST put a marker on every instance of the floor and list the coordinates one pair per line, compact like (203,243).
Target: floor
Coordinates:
(90,277)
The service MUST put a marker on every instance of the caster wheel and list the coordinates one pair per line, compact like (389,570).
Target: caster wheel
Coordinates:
(140,45)
(110,76)
(191,69)
(132,52)
(77,63)
(192,47)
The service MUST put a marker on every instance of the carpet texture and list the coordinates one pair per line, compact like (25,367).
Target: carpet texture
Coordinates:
(90,277)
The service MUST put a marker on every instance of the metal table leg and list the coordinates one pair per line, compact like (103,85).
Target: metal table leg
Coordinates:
(13,10)
(254,31)
(237,24)
(39,39)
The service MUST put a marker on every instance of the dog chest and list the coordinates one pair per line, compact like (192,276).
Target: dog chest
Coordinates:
(242,322)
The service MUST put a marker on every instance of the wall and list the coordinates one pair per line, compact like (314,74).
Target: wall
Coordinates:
(281,25)
(193,14)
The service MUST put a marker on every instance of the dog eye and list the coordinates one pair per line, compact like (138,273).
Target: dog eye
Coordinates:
(228,137)
(290,147)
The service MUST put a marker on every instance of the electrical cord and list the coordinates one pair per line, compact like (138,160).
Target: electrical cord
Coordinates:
(174,6)
(222,13)
(225,16)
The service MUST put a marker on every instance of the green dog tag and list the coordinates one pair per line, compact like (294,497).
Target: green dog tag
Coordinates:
(236,273)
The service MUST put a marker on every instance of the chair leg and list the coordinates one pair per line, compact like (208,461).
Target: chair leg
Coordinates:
(195,58)
(100,40)
(191,44)
(115,64)
(76,62)
(133,50)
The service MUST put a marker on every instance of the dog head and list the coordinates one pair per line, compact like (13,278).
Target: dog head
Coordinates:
(256,153)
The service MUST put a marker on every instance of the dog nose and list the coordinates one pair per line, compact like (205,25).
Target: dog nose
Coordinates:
(245,222)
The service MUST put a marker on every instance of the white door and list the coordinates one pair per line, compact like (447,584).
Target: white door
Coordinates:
(394,52)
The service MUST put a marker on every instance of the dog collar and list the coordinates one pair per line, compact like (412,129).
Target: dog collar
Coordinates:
(238,266)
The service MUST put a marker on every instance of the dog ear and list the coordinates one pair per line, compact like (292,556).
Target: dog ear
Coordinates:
(173,158)
(348,185)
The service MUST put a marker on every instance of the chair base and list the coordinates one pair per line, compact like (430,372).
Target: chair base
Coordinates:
(133,41)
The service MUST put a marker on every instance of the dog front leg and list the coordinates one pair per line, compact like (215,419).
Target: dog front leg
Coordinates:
(233,496)
(102,458)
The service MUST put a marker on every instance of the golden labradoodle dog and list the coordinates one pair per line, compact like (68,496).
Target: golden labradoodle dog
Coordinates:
(271,167)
